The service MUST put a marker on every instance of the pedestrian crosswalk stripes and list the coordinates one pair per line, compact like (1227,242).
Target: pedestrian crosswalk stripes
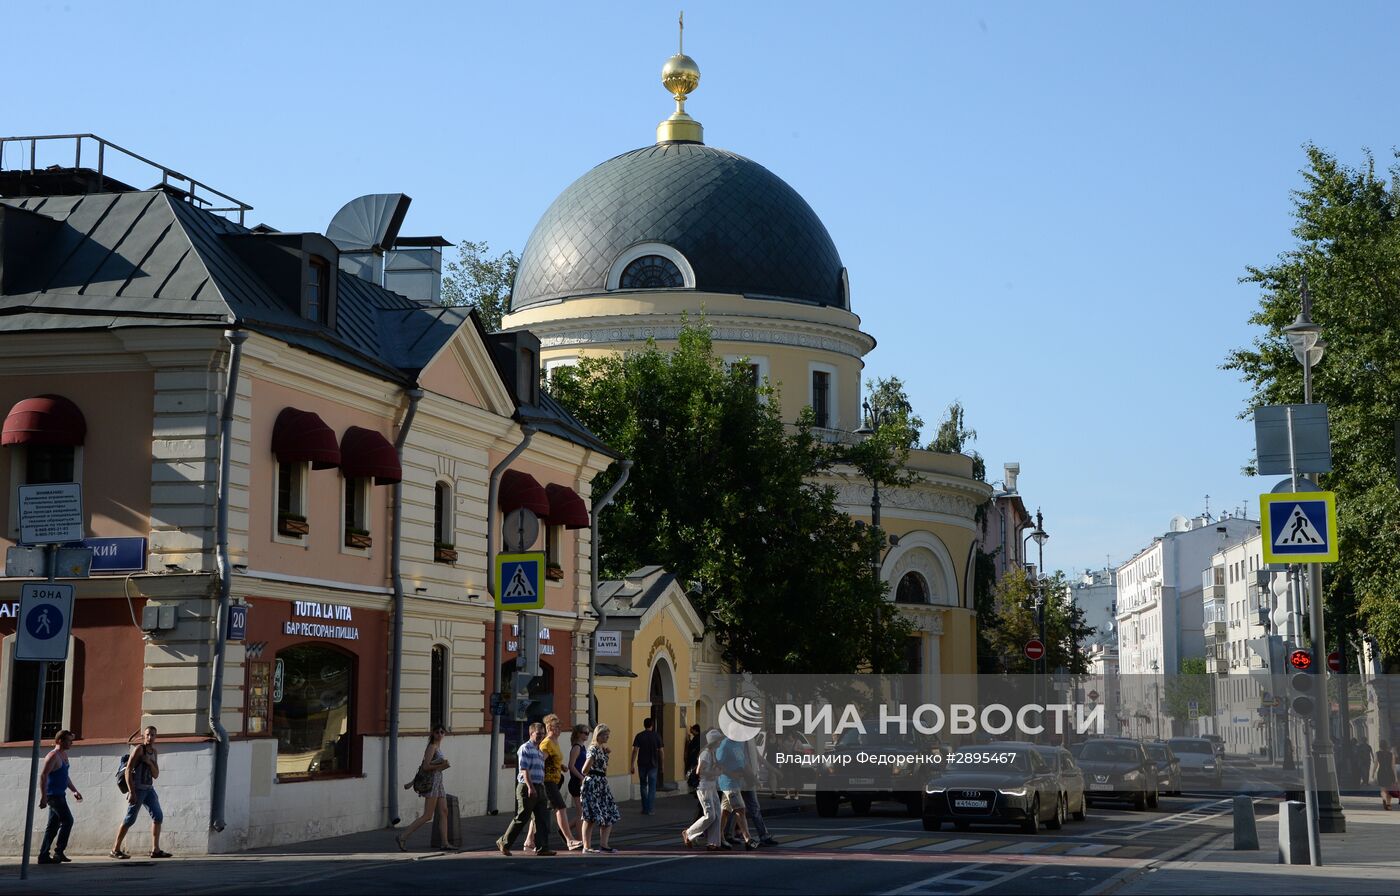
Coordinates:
(915,845)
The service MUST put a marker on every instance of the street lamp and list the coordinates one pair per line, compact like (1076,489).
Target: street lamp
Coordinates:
(1040,536)
(1303,336)
(875,417)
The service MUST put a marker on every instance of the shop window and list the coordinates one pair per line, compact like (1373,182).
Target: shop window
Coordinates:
(437,698)
(553,549)
(24,680)
(314,718)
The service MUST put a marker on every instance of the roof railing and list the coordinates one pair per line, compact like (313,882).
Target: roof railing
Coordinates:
(169,178)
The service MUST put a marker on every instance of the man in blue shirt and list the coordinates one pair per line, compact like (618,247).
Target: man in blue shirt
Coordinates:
(529,795)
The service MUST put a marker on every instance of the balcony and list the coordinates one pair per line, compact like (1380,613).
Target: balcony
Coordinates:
(1216,631)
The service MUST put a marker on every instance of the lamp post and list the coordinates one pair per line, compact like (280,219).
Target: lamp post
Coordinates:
(1303,336)
(1040,536)
(875,417)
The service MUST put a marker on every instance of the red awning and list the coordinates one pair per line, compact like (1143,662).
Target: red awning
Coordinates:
(45,420)
(522,490)
(300,436)
(566,508)
(365,453)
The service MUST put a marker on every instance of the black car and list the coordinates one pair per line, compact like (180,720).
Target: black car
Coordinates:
(863,783)
(1071,779)
(1003,783)
(1116,768)
(1168,768)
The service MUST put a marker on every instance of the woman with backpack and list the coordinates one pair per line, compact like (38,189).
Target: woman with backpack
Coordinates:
(428,783)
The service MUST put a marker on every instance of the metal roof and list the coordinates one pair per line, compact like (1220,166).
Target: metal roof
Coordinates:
(742,228)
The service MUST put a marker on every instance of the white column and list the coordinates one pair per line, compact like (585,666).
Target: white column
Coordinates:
(933,663)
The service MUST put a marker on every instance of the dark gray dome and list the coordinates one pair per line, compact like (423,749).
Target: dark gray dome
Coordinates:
(741,228)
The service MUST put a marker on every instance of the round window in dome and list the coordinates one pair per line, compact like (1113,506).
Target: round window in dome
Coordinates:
(651,272)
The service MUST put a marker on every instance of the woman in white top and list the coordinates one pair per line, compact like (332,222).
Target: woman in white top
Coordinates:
(707,770)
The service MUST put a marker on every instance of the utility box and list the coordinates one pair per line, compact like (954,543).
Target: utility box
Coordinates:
(157,618)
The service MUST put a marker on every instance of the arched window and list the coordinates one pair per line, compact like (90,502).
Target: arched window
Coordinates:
(314,719)
(651,272)
(911,590)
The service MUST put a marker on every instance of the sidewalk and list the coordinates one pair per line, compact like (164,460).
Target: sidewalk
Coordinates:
(1364,860)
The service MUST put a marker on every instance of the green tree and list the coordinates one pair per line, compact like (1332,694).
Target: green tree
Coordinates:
(953,437)
(1347,225)
(721,494)
(1191,684)
(1007,621)
(482,281)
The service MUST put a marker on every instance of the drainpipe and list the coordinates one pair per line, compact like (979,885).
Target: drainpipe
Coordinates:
(527,432)
(391,789)
(593,587)
(236,339)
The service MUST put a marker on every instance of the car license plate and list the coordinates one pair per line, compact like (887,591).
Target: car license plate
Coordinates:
(969,804)
(1100,786)
(861,780)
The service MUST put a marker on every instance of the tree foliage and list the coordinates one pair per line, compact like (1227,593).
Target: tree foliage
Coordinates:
(1007,621)
(1191,685)
(721,494)
(954,437)
(482,281)
(1347,225)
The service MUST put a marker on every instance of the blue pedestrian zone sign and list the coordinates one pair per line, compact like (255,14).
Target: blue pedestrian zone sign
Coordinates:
(45,618)
(518,579)
(1300,527)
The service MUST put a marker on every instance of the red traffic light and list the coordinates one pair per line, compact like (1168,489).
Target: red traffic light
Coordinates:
(1300,660)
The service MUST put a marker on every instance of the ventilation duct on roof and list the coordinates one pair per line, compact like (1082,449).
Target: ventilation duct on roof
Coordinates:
(364,228)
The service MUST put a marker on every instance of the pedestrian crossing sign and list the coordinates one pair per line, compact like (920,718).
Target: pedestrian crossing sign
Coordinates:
(518,578)
(1299,527)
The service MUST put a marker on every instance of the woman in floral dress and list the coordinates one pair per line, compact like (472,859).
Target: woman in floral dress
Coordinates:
(599,808)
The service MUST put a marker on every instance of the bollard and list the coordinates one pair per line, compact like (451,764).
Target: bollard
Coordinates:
(1293,834)
(1246,832)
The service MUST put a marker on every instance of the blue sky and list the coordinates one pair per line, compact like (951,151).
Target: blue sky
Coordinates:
(1045,208)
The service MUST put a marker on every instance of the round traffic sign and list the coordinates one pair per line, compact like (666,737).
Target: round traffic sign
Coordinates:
(1300,660)
(1035,649)
(1334,661)
(44,622)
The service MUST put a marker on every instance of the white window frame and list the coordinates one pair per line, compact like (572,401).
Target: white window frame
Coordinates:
(445,516)
(19,472)
(300,485)
(643,249)
(833,392)
(7,661)
(759,361)
(364,484)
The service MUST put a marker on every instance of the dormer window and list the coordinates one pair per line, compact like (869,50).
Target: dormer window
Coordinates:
(318,290)
(651,272)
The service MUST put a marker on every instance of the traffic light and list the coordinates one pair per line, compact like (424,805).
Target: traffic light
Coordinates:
(1302,684)
(521,695)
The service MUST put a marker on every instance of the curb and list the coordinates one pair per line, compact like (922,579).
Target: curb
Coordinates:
(1206,843)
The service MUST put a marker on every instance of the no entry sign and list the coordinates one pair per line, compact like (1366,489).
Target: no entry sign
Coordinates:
(1035,649)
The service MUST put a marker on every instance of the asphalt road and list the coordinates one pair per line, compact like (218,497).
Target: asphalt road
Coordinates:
(884,852)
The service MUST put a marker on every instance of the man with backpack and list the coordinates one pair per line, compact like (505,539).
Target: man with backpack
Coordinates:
(142,769)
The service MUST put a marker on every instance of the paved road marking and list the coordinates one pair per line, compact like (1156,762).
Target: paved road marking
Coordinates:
(1025,846)
(922,886)
(813,841)
(879,844)
(1090,849)
(562,881)
(947,845)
